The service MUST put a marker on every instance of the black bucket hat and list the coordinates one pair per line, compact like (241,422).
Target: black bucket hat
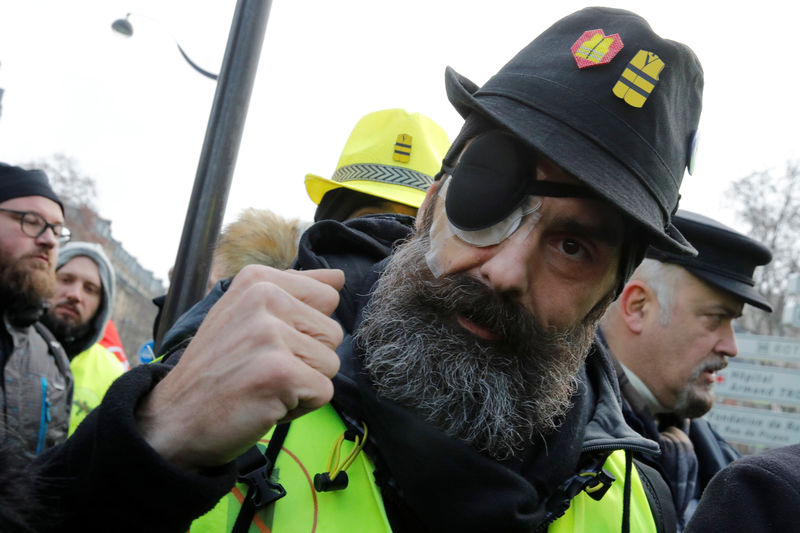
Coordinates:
(726,259)
(607,100)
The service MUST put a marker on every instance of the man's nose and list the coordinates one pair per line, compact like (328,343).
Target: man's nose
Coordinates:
(47,239)
(727,342)
(72,292)
(510,268)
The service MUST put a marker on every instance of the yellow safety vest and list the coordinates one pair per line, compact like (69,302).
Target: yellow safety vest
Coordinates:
(639,78)
(359,507)
(94,370)
(587,515)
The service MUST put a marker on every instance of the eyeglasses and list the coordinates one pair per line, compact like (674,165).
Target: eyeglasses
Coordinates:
(34,225)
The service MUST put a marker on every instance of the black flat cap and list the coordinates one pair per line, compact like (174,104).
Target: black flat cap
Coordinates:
(726,259)
(610,102)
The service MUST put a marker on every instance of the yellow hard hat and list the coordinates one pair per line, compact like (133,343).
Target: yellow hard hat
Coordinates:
(391,154)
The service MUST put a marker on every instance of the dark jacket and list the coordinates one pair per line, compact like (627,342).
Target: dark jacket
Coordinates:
(756,494)
(713,453)
(36,384)
(429,482)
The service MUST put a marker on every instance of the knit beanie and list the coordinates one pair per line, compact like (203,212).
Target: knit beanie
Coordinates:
(16,182)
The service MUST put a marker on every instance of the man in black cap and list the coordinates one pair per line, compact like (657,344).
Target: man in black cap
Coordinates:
(671,331)
(36,379)
(465,392)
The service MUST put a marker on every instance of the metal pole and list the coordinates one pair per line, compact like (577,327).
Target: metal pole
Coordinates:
(217,161)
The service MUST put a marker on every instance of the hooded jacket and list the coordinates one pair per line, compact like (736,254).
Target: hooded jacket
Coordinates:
(94,367)
(98,323)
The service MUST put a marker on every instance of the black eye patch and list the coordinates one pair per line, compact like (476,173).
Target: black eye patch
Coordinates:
(493,177)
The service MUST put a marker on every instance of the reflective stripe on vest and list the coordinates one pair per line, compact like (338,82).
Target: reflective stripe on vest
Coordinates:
(359,507)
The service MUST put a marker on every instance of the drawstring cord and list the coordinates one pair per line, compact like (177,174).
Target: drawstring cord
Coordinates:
(626,494)
(334,470)
(335,478)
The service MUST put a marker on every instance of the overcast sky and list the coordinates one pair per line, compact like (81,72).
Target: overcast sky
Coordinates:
(133,114)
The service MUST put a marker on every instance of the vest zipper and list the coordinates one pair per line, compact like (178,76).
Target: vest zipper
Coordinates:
(44,419)
(612,447)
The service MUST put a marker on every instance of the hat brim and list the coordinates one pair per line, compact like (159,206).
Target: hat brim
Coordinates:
(317,186)
(745,292)
(576,154)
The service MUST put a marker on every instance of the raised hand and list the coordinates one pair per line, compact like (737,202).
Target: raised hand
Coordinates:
(264,354)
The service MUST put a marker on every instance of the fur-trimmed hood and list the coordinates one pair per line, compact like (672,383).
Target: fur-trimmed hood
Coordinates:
(259,237)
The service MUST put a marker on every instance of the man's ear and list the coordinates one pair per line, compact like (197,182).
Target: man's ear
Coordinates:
(635,302)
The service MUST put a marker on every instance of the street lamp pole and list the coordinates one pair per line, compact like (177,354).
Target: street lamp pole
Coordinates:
(217,161)
(124,27)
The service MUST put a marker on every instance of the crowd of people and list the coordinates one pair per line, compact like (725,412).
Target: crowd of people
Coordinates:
(515,331)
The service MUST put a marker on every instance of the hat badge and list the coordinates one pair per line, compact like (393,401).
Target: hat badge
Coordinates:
(402,148)
(594,47)
(639,78)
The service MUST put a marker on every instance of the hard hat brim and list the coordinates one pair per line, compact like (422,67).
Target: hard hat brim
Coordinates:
(317,186)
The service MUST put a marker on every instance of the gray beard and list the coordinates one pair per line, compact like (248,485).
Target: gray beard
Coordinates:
(496,396)
(691,404)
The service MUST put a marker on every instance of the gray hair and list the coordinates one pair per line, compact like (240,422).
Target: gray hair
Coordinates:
(663,278)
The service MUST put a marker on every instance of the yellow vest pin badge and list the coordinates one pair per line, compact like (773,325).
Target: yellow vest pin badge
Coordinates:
(594,47)
(639,78)
(402,148)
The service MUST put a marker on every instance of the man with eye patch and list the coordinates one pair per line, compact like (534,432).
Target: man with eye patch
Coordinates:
(671,331)
(456,385)
(79,312)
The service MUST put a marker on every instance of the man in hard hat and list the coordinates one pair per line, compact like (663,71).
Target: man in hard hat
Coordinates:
(386,166)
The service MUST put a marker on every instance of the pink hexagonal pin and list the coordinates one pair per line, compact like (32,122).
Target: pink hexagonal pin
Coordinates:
(596,48)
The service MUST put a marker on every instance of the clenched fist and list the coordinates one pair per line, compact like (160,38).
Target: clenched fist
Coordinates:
(264,354)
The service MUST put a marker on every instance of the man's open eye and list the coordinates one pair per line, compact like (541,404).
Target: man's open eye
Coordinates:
(714,320)
(572,247)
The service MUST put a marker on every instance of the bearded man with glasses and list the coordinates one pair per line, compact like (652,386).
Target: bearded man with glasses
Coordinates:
(36,379)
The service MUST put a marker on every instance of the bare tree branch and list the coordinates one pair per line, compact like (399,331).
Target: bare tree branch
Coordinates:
(68,180)
(768,203)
